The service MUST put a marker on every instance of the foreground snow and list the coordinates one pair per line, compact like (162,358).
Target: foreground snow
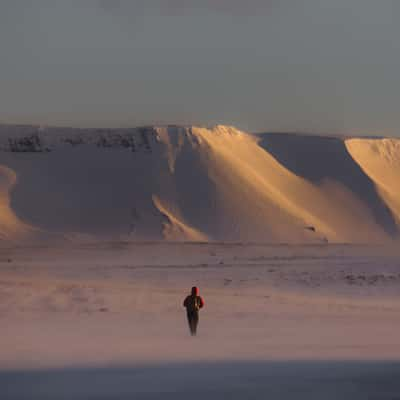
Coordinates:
(197,381)
(105,320)
(121,303)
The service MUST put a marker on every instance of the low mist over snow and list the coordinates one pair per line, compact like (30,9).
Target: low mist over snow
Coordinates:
(196,184)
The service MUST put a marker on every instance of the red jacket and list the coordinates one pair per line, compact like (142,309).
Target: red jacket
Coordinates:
(193,302)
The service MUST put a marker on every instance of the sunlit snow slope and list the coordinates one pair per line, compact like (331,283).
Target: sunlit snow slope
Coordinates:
(192,183)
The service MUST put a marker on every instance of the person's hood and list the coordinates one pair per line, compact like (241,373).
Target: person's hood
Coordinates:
(195,291)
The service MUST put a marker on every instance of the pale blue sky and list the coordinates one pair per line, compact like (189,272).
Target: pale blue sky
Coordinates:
(276,65)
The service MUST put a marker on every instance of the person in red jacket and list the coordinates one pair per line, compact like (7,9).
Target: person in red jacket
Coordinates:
(193,303)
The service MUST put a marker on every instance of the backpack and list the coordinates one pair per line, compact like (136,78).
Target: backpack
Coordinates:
(193,303)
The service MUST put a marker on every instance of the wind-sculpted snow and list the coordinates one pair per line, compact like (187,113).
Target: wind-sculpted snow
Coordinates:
(380,160)
(200,184)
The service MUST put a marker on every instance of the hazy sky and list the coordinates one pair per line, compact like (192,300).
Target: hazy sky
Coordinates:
(281,65)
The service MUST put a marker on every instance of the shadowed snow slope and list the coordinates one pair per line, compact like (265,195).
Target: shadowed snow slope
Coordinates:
(192,183)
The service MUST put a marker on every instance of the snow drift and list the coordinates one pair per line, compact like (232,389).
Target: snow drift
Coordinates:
(199,184)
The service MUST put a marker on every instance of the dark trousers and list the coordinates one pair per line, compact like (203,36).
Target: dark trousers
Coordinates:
(193,320)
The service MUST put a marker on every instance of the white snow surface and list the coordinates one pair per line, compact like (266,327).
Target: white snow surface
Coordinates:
(196,184)
(117,303)
(292,239)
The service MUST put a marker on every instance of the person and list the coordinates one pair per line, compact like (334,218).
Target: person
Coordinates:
(193,303)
